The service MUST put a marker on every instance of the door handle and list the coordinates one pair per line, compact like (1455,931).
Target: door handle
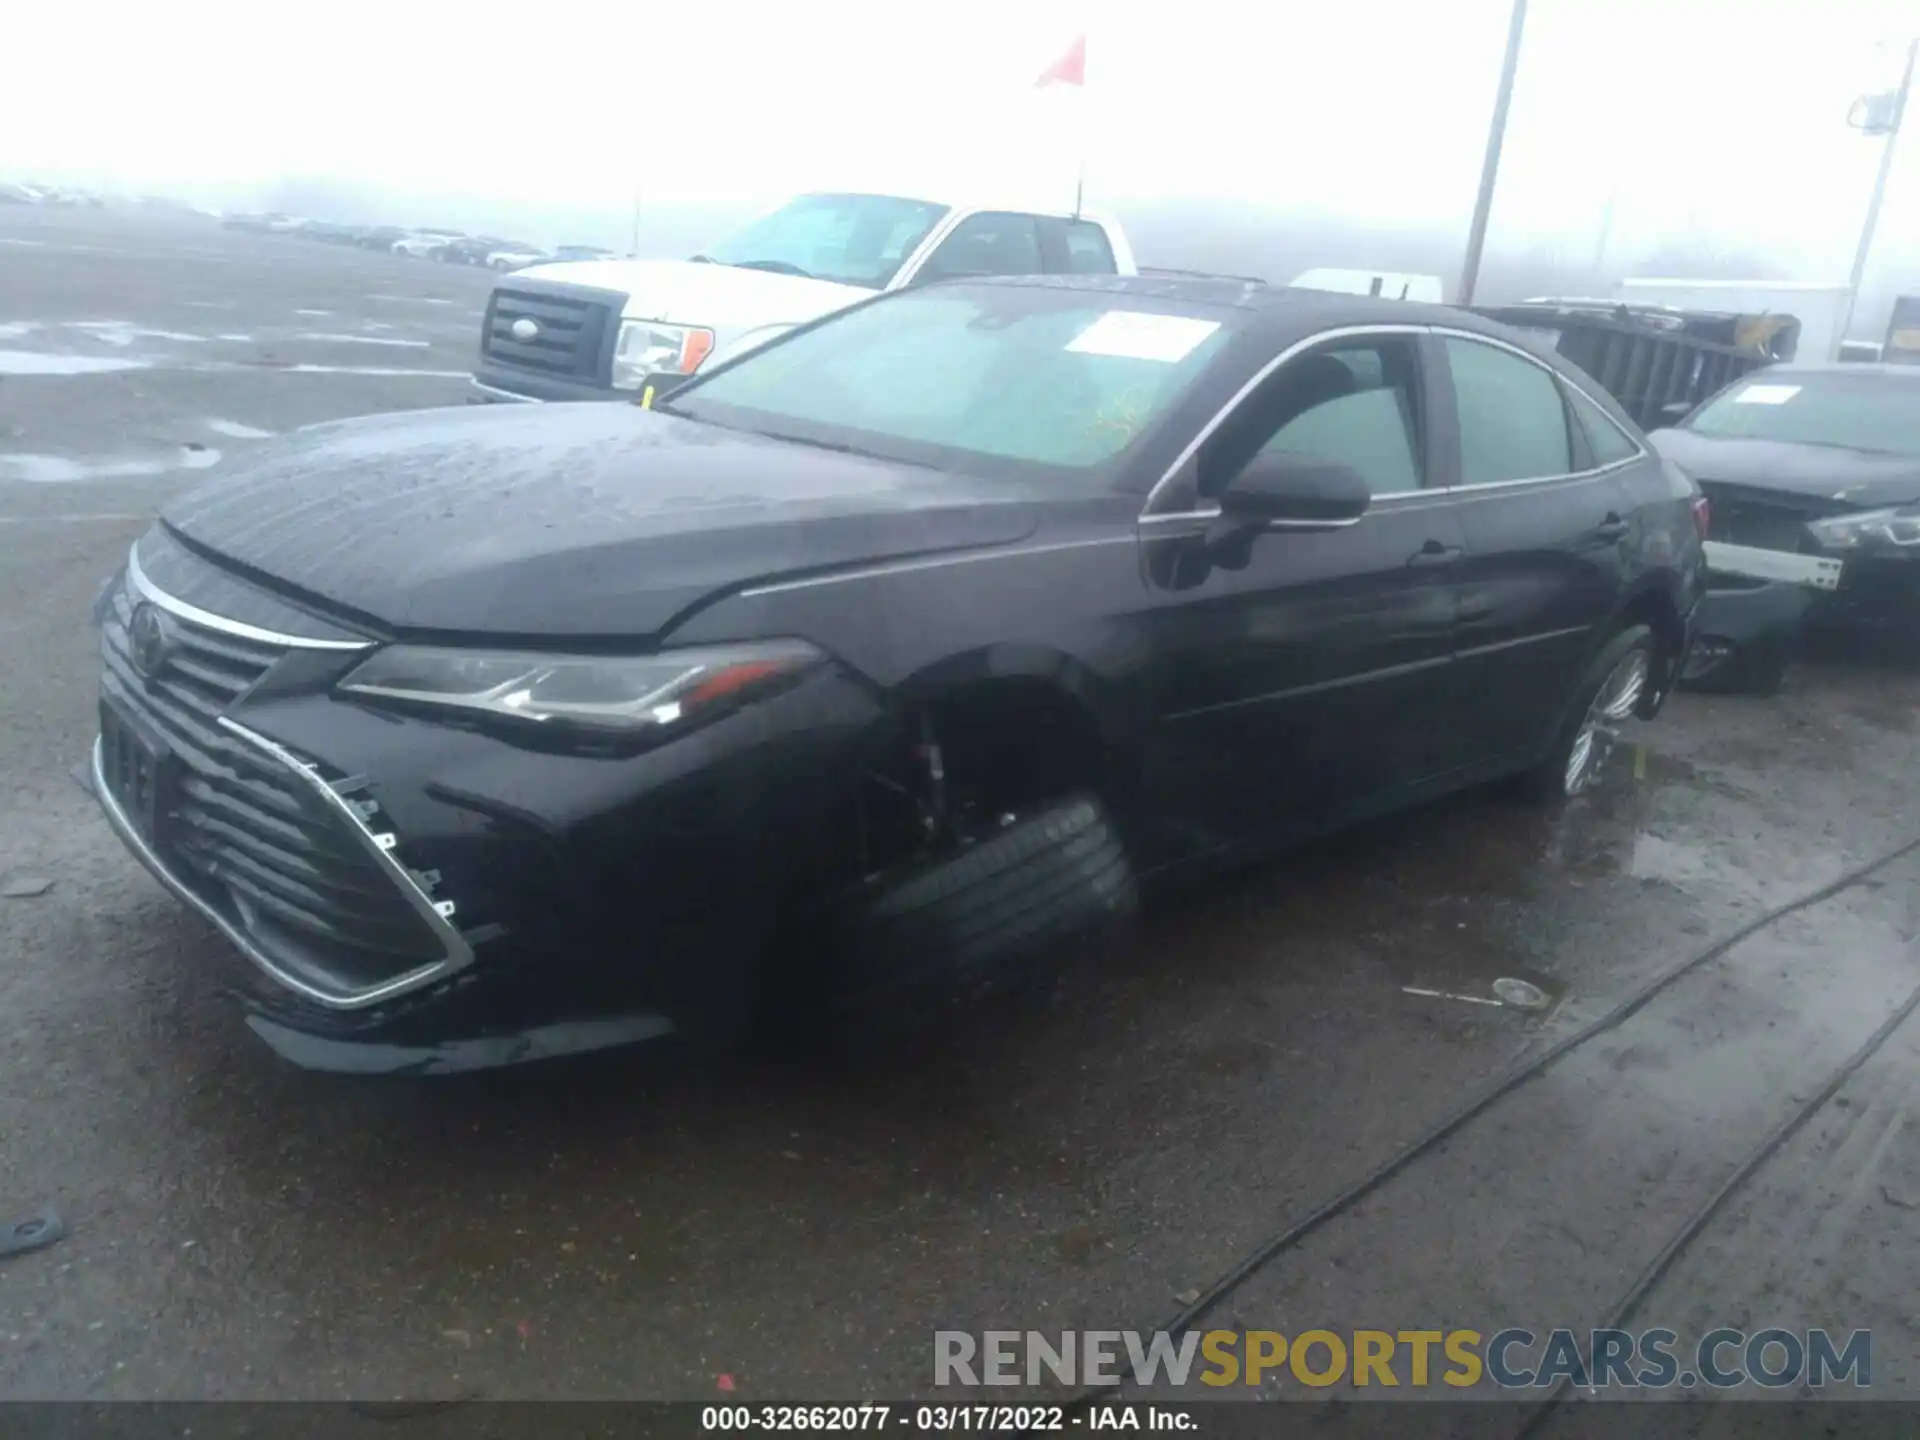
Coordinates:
(1434,553)
(1611,528)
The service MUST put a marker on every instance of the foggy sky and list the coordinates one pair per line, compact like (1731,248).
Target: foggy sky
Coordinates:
(1718,122)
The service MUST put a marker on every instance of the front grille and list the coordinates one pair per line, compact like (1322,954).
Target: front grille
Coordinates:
(573,330)
(248,835)
(1763,519)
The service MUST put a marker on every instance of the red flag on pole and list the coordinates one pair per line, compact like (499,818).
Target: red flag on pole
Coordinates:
(1069,69)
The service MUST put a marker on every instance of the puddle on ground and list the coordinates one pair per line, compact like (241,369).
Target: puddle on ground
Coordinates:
(364,340)
(235,430)
(236,339)
(412,299)
(314,313)
(19,329)
(40,362)
(60,469)
(123,333)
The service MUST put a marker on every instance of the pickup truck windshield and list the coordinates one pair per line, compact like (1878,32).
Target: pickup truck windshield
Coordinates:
(853,239)
(1816,407)
(985,377)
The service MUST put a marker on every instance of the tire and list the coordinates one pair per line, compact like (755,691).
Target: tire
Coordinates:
(1553,780)
(1055,875)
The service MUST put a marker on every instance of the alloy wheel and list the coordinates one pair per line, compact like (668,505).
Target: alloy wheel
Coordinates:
(1613,703)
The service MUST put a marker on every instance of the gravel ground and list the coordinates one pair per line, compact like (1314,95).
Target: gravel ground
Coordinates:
(622,1228)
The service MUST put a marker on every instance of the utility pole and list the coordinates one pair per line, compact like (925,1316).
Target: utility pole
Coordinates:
(636,220)
(1890,127)
(1606,233)
(1490,167)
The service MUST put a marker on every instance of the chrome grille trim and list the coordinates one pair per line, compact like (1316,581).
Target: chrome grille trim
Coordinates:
(438,915)
(259,840)
(137,578)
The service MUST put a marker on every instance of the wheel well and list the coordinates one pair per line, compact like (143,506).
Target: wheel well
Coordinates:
(1656,610)
(1011,741)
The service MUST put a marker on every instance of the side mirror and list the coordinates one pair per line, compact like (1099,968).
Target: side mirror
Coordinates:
(1296,489)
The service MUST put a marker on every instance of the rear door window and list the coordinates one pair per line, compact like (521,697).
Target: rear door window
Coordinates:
(1513,423)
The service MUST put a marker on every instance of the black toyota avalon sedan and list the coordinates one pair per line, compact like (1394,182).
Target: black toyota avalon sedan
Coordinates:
(893,652)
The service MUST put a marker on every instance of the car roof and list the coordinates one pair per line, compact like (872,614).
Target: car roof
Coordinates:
(1292,307)
(1014,200)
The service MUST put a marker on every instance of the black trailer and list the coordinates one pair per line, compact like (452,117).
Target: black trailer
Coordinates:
(1658,363)
(1903,333)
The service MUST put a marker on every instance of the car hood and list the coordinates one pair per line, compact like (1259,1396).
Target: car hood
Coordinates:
(717,297)
(1858,478)
(588,520)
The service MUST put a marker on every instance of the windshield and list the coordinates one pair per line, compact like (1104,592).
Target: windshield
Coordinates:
(1810,407)
(991,377)
(853,239)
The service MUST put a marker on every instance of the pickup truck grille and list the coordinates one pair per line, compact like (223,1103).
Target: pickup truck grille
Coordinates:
(1764,519)
(244,832)
(565,331)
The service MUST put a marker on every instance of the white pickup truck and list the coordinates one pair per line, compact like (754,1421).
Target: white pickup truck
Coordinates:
(611,329)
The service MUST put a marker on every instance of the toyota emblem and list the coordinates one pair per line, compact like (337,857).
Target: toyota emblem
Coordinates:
(525,329)
(149,640)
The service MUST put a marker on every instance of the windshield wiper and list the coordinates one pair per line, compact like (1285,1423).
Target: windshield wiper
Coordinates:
(837,446)
(777,267)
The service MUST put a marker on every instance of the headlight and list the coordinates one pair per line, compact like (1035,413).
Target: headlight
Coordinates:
(1870,528)
(647,347)
(612,695)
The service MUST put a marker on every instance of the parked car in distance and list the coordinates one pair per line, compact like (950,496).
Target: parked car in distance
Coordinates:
(475,249)
(16,194)
(889,653)
(330,231)
(583,252)
(517,257)
(247,220)
(424,244)
(619,329)
(379,237)
(1819,462)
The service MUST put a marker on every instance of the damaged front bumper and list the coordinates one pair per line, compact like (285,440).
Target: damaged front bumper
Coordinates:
(1760,602)
(1750,620)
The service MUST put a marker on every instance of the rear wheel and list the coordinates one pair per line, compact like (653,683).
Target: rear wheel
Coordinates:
(1607,697)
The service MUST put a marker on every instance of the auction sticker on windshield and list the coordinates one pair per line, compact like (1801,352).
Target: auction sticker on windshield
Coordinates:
(1138,335)
(1766,394)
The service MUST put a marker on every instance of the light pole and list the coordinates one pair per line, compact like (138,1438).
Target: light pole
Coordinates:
(1886,123)
(1490,167)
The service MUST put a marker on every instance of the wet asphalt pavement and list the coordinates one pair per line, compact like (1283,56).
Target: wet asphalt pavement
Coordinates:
(629,1226)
